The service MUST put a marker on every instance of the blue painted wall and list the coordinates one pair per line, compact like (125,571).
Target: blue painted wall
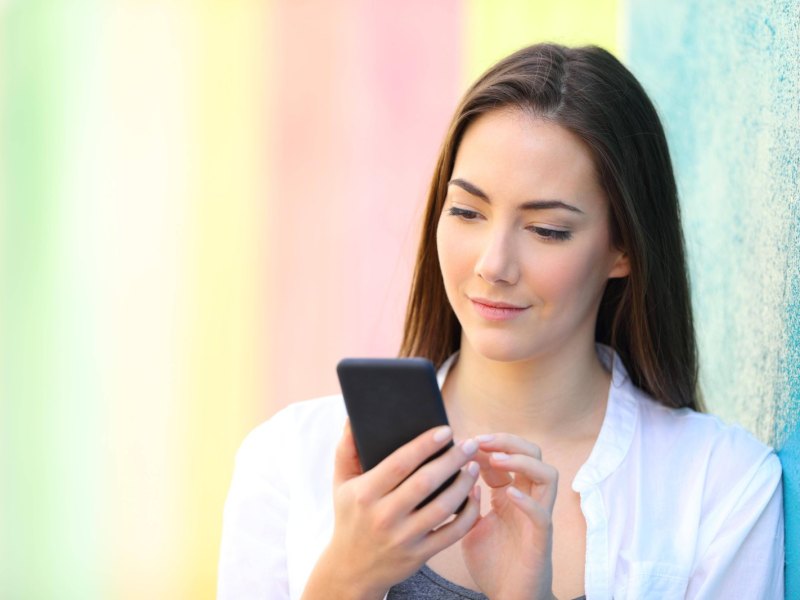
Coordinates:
(725,75)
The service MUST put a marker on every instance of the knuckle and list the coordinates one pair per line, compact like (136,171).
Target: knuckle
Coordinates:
(440,509)
(382,522)
(397,470)
(424,482)
(360,498)
(463,523)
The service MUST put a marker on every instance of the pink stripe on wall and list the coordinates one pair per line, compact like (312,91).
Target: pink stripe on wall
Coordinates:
(363,96)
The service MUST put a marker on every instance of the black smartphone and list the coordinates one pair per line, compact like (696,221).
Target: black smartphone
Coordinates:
(390,401)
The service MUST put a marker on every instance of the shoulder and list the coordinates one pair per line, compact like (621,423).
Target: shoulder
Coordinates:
(700,434)
(296,429)
(693,480)
(307,413)
(279,499)
(668,438)
(721,463)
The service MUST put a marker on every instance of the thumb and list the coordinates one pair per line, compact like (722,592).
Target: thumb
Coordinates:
(346,465)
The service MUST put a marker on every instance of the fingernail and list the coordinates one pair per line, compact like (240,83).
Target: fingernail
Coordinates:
(486,437)
(469,447)
(499,456)
(512,491)
(473,469)
(442,434)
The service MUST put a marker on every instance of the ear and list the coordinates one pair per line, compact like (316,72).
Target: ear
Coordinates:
(621,266)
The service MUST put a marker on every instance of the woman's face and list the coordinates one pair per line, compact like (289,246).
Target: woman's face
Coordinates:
(524,239)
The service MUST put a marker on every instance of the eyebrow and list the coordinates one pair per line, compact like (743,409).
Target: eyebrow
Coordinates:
(531,204)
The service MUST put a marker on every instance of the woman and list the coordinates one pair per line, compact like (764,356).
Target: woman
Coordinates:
(551,292)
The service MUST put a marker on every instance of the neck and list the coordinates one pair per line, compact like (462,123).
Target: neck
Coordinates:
(549,399)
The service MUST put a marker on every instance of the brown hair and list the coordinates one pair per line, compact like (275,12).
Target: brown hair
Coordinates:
(645,317)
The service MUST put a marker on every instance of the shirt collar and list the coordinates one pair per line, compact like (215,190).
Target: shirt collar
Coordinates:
(619,423)
(441,374)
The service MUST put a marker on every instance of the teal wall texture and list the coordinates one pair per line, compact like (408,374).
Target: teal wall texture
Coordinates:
(725,76)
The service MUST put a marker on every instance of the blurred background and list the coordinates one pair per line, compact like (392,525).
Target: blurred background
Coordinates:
(204,205)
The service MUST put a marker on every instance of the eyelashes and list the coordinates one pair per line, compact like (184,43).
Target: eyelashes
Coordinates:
(556,235)
(551,234)
(468,215)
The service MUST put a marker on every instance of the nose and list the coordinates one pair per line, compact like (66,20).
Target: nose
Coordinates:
(497,262)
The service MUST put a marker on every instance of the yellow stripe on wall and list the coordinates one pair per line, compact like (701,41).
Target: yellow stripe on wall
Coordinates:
(226,348)
(495,29)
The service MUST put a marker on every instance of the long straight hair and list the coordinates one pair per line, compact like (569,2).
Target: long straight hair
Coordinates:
(645,317)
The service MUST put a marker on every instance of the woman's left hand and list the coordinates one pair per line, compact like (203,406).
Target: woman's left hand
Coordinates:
(509,550)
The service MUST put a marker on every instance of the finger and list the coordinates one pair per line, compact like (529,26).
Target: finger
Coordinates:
(396,467)
(445,504)
(432,475)
(492,477)
(346,463)
(529,472)
(509,443)
(539,515)
(451,532)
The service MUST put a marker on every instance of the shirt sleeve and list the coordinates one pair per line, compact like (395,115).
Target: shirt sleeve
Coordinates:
(745,556)
(252,561)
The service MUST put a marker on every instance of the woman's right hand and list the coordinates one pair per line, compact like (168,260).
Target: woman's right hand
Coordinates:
(379,536)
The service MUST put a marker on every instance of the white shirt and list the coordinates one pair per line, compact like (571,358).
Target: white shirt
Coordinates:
(677,504)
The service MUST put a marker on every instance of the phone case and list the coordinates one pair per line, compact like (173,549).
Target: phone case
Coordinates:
(390,401)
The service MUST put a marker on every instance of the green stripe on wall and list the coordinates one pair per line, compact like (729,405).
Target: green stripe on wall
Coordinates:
(48,516)
(27,297)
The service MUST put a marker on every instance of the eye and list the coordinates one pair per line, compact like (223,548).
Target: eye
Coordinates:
(467,215)
(556,235)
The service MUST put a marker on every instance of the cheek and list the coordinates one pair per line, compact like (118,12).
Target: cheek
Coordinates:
(573,277)
(454,253)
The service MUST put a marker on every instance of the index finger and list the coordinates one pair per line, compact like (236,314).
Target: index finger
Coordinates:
(508,443)
(492,477)
(401,463)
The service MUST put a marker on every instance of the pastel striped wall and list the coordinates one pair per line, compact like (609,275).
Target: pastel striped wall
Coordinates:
(203,205)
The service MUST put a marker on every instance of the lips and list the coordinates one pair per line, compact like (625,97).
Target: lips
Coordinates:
(497,311)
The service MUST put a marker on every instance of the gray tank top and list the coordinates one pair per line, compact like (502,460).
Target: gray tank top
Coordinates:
(426,584)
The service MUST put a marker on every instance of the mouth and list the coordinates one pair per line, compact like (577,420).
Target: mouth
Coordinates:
(497,311)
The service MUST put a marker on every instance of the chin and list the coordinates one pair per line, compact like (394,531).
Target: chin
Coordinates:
(502,348)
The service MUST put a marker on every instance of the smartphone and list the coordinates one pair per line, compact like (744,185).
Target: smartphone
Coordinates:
(390,401)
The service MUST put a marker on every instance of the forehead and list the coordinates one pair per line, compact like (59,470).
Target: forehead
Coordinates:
(509,153)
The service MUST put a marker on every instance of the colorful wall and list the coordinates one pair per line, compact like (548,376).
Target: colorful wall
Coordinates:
(204,205)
